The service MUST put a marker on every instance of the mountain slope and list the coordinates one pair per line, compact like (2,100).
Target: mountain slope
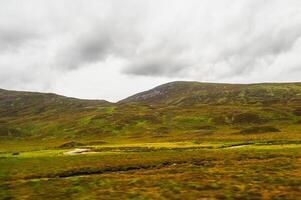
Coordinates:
(173,111)
(27,113)
(14,103)
(190,93)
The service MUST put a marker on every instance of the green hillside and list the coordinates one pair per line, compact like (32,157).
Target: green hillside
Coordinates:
(173,111)
(29,114)
(192,93)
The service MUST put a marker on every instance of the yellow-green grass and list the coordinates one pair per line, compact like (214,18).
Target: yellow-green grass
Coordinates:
(249,172)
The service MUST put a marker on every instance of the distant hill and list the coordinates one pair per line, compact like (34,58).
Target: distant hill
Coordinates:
(190,93)
(172,111)
(32,113)
(14,103)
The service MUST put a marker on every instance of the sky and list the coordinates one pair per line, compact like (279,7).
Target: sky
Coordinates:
(111,49)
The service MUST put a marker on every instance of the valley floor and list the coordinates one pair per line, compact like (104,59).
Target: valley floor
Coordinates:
(163,170)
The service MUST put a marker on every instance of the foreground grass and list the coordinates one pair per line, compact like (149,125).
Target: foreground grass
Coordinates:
(248,172)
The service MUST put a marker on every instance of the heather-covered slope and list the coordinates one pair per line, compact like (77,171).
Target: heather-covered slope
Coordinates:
(15,103)
(31,114)
(191,93)
(174,111)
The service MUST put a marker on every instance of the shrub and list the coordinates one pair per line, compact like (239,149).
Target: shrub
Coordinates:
(162,130)
(71,144)
(247,118)
(219,120)
(297,112)
(10,132)
(259,129)
(206,127)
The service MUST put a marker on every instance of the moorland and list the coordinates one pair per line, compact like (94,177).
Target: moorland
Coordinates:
(180,140)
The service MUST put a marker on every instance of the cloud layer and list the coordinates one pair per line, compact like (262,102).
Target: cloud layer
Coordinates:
(46,45)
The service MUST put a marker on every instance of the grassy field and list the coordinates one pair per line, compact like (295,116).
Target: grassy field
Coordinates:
(156,171)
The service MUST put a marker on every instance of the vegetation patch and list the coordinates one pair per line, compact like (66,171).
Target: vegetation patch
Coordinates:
(10,132)
(219,120)
(297,112)
(259,129)
(71,144)
(97,142)
(247,118)
(207,127)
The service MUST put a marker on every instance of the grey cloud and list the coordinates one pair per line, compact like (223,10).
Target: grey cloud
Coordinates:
(252,42)
(87,49)
(158,66)
(271,42)
(163,58)
(242,44)
(13,38)
(245,57)
(102,39)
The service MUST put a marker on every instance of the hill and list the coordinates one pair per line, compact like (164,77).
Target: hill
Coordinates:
(173,111)
(190,93)
(22,112)
(15,103)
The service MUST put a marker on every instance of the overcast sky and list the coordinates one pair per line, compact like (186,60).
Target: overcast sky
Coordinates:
(110,49)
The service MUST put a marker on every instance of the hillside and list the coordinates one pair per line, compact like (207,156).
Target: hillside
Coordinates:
(30,109)
(15,103)
(176,111)
(191,93)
